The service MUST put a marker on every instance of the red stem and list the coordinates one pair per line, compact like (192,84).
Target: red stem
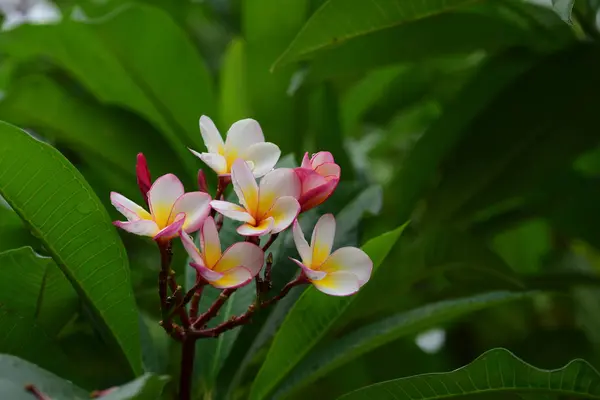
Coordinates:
(36,392)
(213,310)
(188,352)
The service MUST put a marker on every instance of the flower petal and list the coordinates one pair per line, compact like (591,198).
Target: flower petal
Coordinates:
(233,278)
(142,227)
(242,254)
(338,284)
(232,211)
(190,248)
(265,226)
(278,183)
(310,273)
(210,243)
(301,244)
(321,157)
(215,161)
(171,230)
(244,185)
(318,195)
(207,273)
(284,212)
(243,134)
(329,170)
(128,208)
(351,260)
(162,196)
(306,161)
(322,239)
(211,136)
(196,206)
(263,156)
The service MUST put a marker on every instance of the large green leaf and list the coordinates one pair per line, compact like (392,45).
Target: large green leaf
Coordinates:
(338,21)
(61,209)
(137,58)
(370,337)
(13,233)
(563,8)
(146,387)
(233,88)
(498,372)
(308,321)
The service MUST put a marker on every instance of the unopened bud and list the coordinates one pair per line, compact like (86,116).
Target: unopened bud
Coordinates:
(144,179)
(202,186)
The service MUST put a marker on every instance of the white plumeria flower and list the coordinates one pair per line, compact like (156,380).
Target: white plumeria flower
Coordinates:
(340,273)
(244,140)
(237,266)
(171,209)
(270,208)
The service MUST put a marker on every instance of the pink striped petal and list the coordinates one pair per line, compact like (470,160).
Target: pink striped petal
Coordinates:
(351,260)
(284,212)
(329,170)
(243,134)
(233,278)
(303,248)
(162,196)
(128,208)
(171,230)
(278,183)
(207,273)
(244,185)
(322,239)
(232,211)
(318,195)
(244,254)
(310,273)
(338,284)
(263,157)
(142,227)
(265,226)
(195,206)
(321,157)
(215,161)
(190,248)
(210,243)
(211,136)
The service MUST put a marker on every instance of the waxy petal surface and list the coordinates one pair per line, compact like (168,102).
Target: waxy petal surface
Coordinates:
(310,273)
(322,239)
(210,243)
(195,206)
(190,248)
(263,157)
(162,196)
(232,211)
(265,226)
(233,278)
(128,208)
(338,284)
(245,185)
(284,212)
(211,136)
(242,254)
(172,229)
(301,244)
(243,134)
(351,260)
(207,273)
(141,227)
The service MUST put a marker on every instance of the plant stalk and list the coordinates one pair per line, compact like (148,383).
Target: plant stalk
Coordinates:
(188,351)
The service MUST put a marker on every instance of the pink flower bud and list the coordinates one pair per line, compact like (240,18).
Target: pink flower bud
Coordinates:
(202,186)
(319,177)
(144,179)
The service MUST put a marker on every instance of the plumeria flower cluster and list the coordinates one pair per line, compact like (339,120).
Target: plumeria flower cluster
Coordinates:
(269,201)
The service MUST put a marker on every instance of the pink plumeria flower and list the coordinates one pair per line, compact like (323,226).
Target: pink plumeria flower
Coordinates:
(319,176)
(244,140)
(237,266)
(171,209)
(340,273)
(270,208)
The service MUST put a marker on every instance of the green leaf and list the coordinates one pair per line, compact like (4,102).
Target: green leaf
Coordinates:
(115,58)
(63,212)
(308,321)
(37,288)
(563,8)
(233,97)
(18,373)
(146,387)
(13,233)
(338,21)
(496,371)
(365,339)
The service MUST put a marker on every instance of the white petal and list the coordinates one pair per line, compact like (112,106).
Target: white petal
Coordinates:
(211,136)
(242,254)
(162,196)
(278,183)
(322,239)
(190,248)
(195,206)
(310,273)
(128,208)
(232,211)
(284,212)
(233,278)
(263,156)
(210,243)
(216,162)
(244,185)
(142,227)
(243,134)
(263,228)
(351,260)
(338,284)
(301,244)
(207,273)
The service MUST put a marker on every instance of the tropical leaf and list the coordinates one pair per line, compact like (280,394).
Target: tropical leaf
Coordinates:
(233,89)
(146,387)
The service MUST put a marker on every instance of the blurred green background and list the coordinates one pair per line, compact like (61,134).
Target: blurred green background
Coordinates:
(477,121)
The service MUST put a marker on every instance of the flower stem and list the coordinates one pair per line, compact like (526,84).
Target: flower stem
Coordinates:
(36,392)
(188,353)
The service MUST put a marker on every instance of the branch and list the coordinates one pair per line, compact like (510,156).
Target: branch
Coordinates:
(37,393)
(213,310)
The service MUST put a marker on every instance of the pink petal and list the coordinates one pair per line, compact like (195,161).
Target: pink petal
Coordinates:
(284,212)
(242,254)
(171,230)
(263,156)
(243,134)
(162,196)
(278,183)
(301,244)
(310,273)
(190,248)
(232,211)
(350,260)
(207,273)
(329,170)
(210,134)
(322,239)
(144,180)
(210,243)
(244,185)
(338,284)
(318,195)
(265,226)
(321,157)
(233,278)
(142,227)
(310,179)
(128,208)
(195,206)
(306,161)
